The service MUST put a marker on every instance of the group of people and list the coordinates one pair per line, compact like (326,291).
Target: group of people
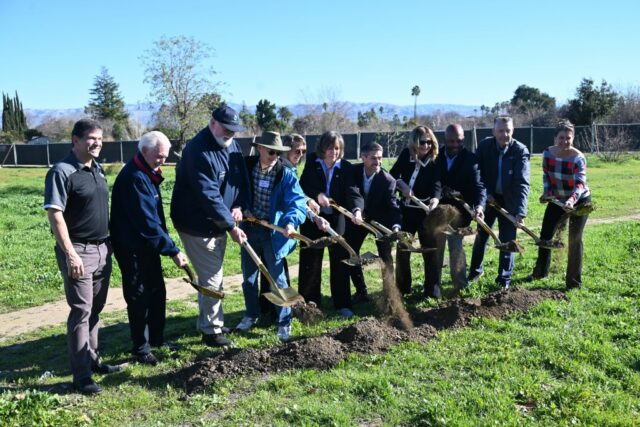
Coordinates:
(220,192)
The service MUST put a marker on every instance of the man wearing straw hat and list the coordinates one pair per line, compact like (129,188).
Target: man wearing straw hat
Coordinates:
(279,200)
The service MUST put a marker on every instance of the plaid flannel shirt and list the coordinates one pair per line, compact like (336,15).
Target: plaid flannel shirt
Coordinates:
(262,193)
(564,178)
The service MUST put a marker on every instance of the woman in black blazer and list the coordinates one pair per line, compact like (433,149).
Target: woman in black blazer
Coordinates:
(327,176)
(417,174)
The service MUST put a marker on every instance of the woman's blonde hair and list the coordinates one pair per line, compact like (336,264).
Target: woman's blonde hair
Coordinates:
(414,142)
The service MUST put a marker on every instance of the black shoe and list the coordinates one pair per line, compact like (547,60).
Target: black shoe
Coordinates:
(359,297)
(532,277)
(104,369)
(225,330)
(434,292)
(147,359)
(166,346)
(215,340)
(87,387)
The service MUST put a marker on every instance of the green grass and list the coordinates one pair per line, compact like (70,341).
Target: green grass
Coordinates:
(574,362)
(29,275)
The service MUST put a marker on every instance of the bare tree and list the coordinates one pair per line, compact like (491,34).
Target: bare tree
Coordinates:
(329,112)
(177,70)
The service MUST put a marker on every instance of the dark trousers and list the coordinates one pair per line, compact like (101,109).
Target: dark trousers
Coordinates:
(86,297)
(413,220)
(507,232)
(554,216)
(355,236)
(310,273)
(145,293)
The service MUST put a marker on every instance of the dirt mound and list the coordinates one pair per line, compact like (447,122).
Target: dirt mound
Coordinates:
(367,336)
(307,312)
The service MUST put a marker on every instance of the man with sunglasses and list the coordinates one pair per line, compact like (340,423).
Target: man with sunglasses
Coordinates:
(459,172)
(209,195)
(277,199)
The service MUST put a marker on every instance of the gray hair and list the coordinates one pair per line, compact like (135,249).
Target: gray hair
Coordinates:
(151,139)
(369,148)
(503,119)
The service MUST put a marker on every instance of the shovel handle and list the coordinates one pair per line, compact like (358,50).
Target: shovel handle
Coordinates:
(512,219)
(480,222)
(381,227)
(420,203)
(263,223)
(351,216)
(263,269)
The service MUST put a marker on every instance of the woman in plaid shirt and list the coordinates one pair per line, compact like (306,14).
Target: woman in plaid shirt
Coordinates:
(565,178)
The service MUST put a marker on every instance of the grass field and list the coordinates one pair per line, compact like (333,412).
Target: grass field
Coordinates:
(573,362)
(29,275)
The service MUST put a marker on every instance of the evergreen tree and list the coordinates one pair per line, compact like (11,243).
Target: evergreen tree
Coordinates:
(107,104)
(13,118)
(266,115)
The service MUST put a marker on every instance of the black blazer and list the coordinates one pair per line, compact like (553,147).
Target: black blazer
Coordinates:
(343,188)
(380,204)
(427,184)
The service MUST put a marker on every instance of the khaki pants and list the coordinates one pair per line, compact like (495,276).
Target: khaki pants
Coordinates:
(206,255)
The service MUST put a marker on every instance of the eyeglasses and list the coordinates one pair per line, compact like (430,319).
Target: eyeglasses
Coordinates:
(424,141)
(272,152)
(300,151)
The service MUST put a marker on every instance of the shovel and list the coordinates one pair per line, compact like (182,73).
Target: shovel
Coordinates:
(547,244)
(193,281)
(284,297)
(349,215)
(315,244)
(354,259)
(512,246)
(405,239)
(420,203)
(584,209)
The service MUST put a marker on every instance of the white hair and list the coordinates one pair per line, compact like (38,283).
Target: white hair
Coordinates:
(151,139)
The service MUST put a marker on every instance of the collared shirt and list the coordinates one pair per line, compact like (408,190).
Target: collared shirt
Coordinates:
(82,194)
(449,160)
(367,182)
(501,153)
(328,173)
(263,182)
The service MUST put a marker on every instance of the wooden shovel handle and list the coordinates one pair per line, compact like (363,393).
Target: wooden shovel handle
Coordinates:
(480,222)
(512,219)
(420,203)
(266,224)
(351,216)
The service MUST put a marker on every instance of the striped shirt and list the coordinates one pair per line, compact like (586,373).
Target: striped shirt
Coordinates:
(564,178)
(263,183)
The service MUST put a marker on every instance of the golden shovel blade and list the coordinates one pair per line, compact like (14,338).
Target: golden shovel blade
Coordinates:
(277,300)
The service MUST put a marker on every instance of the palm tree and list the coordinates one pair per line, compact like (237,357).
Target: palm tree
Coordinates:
(415,91)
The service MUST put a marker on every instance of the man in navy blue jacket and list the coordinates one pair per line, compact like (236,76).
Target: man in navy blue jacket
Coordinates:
(139,236)
(459,172)
(504,168)
(210,193)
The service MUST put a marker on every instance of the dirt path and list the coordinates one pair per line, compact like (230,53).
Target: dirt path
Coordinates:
(27,320)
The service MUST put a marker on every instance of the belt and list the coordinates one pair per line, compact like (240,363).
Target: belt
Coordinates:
(90,242)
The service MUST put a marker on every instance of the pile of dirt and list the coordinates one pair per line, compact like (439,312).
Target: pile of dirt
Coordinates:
(368,336)
(307,313)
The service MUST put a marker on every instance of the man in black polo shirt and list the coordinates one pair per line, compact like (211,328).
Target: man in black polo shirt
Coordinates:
(77,202)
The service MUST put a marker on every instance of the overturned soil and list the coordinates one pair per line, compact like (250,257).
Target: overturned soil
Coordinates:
(368,336)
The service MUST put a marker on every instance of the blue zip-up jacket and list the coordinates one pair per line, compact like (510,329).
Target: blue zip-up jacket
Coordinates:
(210,180)
(137,215)
(515,173)
(287,205)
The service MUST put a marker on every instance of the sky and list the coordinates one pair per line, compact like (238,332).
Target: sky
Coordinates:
(458,52)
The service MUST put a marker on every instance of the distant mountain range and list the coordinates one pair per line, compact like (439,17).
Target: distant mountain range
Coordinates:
(143,111)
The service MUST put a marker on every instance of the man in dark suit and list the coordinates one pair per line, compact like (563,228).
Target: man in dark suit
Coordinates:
(377,187)
(504,169)
(459,172)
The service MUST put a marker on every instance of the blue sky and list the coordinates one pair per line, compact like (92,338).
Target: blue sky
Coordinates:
(458,52)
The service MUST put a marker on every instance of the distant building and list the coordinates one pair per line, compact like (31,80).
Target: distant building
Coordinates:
(38,140)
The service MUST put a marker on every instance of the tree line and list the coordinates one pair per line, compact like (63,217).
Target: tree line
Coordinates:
(184,86)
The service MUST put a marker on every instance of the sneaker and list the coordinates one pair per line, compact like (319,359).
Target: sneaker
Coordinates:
(147,359)
(474,277)
(215,340)
(246,323)
(87,387)
(284,333)
(346,313)
(104,369)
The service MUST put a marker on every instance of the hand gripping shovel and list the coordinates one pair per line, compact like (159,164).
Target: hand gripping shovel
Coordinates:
(420,203)
(193,281)
(582,210)
(323,242)
(512,246)
(349,215)
(284,297)
(405,239)
(548,244)
(354,259)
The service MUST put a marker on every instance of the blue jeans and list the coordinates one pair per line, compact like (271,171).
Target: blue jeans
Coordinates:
(260,240)
(507,232)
